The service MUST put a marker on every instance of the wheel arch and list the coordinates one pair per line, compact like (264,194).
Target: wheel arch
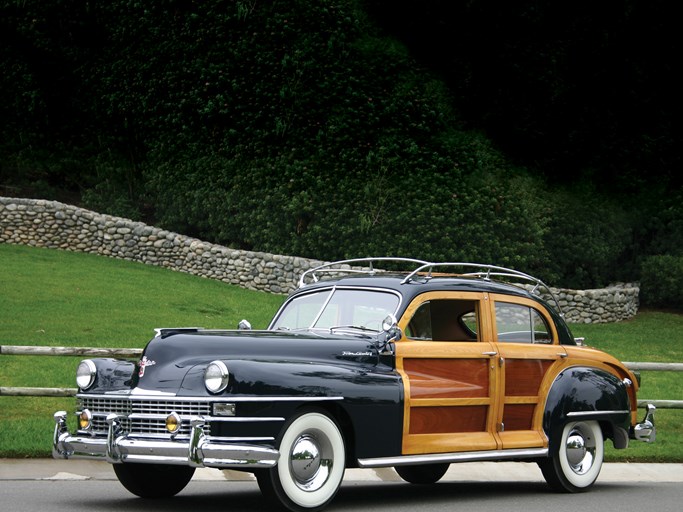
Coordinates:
(337,412)
(588,393)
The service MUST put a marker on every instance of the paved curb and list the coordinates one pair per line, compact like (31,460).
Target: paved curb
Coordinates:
(50,469)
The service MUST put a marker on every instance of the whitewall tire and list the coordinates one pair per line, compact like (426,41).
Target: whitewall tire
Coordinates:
(311,464)
(577,460)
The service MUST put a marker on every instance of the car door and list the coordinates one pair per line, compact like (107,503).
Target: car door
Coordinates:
(529,359)
(445,360)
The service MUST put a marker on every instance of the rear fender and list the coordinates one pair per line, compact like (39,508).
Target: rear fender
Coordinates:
(586,393)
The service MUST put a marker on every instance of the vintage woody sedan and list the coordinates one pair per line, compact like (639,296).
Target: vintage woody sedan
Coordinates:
(361,368)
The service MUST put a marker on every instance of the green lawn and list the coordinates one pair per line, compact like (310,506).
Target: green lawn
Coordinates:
(57,298)
(651,336)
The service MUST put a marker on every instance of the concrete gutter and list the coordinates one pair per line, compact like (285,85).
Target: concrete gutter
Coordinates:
(51,469)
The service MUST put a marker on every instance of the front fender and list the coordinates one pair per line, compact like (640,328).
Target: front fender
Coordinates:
(361,397)
(586,393)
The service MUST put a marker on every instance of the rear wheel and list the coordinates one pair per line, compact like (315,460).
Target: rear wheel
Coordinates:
(311,465)
(153,480)
(576,462)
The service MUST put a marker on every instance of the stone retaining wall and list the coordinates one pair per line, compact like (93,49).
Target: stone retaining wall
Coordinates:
(55,225)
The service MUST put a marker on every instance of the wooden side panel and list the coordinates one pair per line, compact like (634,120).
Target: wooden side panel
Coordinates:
(523,376)
(443,420)
(518,416)
(447,378)
(454,442)
(523,439)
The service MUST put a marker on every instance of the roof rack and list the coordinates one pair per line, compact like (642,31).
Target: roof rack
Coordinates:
(477,270)
(486,272)
(314,274)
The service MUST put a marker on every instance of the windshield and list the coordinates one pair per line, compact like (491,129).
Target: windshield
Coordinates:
(337,307)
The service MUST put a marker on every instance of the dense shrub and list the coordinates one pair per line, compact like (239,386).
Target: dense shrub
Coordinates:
(588,238)
(288,127)
(661,282)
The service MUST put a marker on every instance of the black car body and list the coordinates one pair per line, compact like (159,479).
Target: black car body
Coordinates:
(362,368)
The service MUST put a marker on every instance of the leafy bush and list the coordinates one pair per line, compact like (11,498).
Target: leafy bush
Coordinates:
(588,238)
(288,127)
(661,282)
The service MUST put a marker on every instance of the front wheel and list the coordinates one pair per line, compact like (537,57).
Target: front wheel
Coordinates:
(422,474)
(311,464)
(576,462)
(153,480)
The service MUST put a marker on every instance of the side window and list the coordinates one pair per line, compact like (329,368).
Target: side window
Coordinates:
(444,320)
(517,323)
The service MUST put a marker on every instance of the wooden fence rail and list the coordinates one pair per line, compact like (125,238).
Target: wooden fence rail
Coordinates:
(24,350)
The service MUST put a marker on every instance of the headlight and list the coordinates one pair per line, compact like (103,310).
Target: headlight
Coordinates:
(85,375)
(216,377)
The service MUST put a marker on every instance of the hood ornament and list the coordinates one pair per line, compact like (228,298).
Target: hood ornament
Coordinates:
(144,363)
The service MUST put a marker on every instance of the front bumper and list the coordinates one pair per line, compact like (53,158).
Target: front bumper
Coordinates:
(199,451)
(645,430)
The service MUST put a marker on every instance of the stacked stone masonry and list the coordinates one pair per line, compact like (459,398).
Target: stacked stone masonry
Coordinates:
(50,224)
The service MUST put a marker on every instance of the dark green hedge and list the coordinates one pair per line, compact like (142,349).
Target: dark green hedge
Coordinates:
(291,127)
(662,282)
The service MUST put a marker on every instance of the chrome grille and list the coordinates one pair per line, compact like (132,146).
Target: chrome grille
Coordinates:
(166,407)
(145,417)
(109,405)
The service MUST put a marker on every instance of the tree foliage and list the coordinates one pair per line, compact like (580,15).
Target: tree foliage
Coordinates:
(297,127)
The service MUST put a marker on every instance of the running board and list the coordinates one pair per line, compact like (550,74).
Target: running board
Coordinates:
(493,455)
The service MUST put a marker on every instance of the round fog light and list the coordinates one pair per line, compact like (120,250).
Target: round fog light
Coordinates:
(85,419)
(173,423)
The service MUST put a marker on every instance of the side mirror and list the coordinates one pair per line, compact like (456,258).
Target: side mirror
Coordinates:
(390,329)
(244,325)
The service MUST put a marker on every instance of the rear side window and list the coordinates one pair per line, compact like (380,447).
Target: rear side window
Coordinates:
(444,320)
(518,323)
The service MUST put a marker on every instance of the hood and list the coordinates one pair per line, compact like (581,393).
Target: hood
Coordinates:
(169,360)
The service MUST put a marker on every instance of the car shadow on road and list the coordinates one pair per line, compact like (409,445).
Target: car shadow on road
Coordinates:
(245,496)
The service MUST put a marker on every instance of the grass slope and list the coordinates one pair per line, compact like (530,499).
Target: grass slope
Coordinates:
(57,298)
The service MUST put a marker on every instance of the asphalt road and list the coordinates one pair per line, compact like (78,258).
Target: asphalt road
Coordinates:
(61,486)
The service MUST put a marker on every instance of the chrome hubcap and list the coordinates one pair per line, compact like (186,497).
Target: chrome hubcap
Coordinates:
(580,451)
(310,462)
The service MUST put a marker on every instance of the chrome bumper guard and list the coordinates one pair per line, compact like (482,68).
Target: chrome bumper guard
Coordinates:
(645,430)
(199,451)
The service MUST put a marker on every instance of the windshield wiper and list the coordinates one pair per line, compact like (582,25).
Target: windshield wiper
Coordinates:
(361,328)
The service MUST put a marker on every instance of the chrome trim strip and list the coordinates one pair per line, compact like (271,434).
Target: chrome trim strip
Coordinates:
(211,419)
(235,419)
(406,460)
(167,436)
(186,438)
(222,399)
(240,439)
(281,398)
(145,416)
(595,413)
(149,392)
